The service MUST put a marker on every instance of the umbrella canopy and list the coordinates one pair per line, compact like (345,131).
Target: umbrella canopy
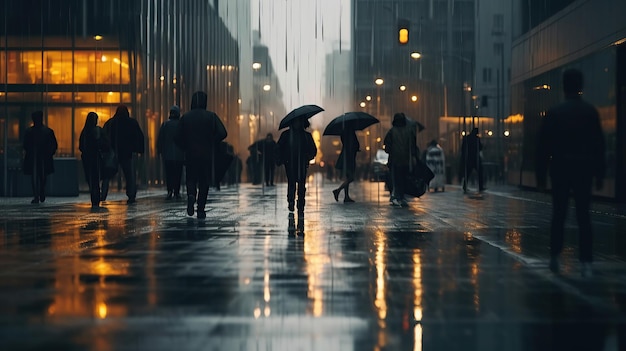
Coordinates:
(350,120)
(304,112)
(417,124)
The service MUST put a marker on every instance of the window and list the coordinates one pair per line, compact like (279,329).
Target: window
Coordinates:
(498,24)
(486,75)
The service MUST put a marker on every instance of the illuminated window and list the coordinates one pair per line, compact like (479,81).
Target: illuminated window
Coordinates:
(58,120)
(58,67)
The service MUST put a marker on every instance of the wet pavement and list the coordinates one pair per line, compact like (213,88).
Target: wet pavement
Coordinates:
(451,272)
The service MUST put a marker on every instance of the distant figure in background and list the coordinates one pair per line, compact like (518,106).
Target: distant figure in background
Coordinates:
(471,159)
(40,144)
(268,152)
(126,138)
(200,132)
(92,142)
(172,155)
(295,149)
(571,145)
(346,162)
(400,144)
(436,161)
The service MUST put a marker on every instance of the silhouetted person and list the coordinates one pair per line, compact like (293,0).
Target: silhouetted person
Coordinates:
(571,146)
(126,138)
(436,161)
(199,134)
(172,155)
(346,162)
(400,144)
(295,149)
(92,143)
(40,144)
(471,159)
(268,152)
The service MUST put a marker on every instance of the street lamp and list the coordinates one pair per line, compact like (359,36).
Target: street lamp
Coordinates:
(256,66)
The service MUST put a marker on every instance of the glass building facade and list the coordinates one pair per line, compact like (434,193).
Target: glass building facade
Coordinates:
(70,57)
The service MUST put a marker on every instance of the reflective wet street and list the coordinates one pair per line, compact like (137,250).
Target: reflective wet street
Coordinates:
(451,272)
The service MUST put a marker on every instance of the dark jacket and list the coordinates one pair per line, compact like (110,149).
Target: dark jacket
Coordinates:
(166,147)
(471,147)
(296,148)
(199,131)
(349,147)
(571,140)
(93,140)
(40,144)
(400,144)
(124,134)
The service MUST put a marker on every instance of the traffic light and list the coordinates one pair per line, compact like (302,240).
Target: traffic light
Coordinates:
(403,31)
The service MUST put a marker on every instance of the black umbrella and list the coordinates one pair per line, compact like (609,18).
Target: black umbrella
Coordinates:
(417,124)
(351,121)
(304,112)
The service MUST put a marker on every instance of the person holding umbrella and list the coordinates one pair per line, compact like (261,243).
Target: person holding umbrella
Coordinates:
(345,126)
(346,162)
(295,149)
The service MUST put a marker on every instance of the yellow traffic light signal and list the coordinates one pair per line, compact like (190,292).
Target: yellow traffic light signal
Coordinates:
(403,31)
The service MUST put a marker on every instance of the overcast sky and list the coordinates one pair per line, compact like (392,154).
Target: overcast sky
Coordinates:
(299,33)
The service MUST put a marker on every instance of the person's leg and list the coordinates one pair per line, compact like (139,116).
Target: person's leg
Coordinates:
(168,167)
(291,187)
(582,195)
(128,168)
(93,174)
(481,181)
(560,195)
(203,187)
(177,175)
(301,189)
(192,184)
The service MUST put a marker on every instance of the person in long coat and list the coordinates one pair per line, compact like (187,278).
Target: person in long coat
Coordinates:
(400,144)
(346,162)
(471,159)
(295,149)
(172,155)
(200,133)
(268,152)
(92,143)
(126,138)
(39,144)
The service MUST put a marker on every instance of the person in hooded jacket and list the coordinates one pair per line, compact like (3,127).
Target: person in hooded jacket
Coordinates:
(400,144)
(126,138)
(199,135)
(40,144)
(92,142)
(173,156)
(295,149)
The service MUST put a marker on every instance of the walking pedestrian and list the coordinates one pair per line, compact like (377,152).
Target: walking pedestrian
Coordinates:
(268,152)
(571,145)
(92,143)
(295,149)
(436,161)
(40,144)
(471,159)
(126,138)
(199,135)
(172,155)
(400,144)
(346,163)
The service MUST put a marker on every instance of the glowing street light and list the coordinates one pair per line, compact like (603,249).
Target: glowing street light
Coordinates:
(267,87)
(368,98)
(402,87)
(414,98)
(362,104)
(379,81)
(256,66)
(416,55)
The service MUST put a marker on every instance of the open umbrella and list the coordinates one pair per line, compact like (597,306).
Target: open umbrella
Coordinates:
(351,121)
(304,112)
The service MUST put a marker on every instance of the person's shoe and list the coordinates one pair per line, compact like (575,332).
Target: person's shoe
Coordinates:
(291,207)
(586,271)
(131,201)
(396,203)
(169,196)
(555,267)
(177,196)
(482,189)
(347,200)
(464,188)
(336,194)
(42,198)
(403,203)
(190,201)
(103,197)
(201,214)
(34,201)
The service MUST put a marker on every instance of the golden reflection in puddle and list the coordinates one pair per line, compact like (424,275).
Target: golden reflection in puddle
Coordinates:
(514,239)
(381,267)
(316,258)
(417,299)
(267,296)
(102,310)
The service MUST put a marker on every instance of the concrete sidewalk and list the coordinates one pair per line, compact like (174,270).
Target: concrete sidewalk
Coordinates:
(451,272)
